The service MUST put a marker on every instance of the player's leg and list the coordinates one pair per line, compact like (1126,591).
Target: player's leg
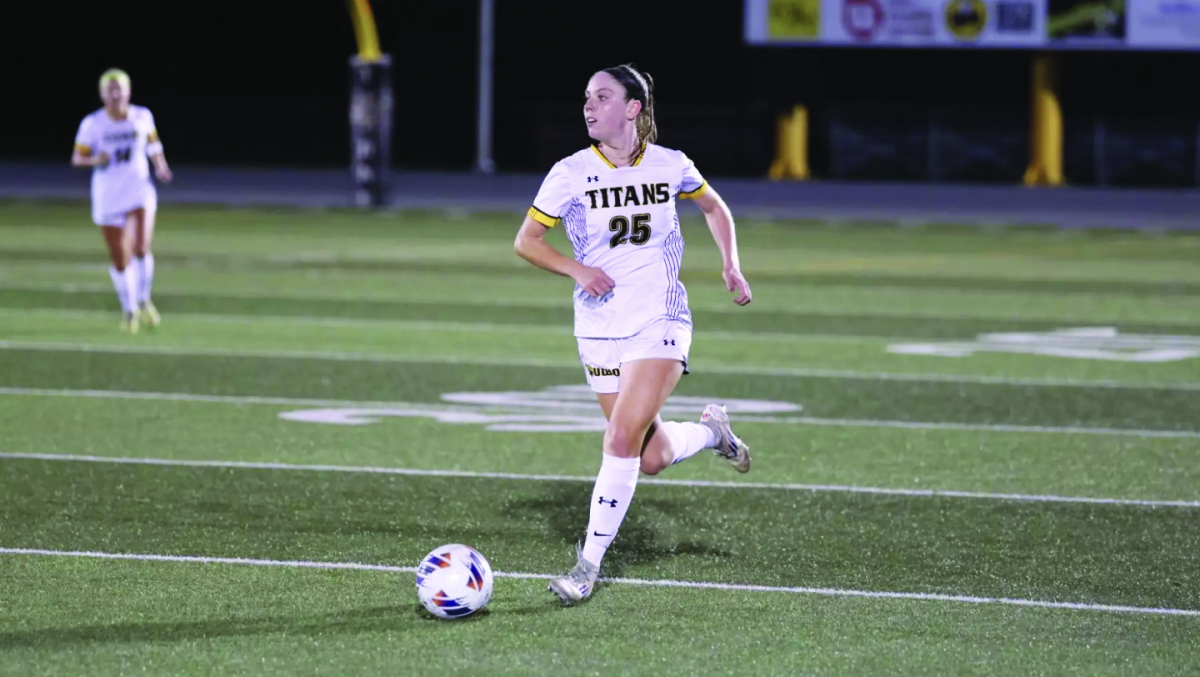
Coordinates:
(143,260)
(124,277)
(645,386)
(671,442)
(665,443)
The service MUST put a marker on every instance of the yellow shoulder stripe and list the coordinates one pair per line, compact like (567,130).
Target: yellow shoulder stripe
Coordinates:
(542,217)
(692,195)
(83,149)
(152,136)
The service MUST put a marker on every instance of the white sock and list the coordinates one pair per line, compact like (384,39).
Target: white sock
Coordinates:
(688,438)
(145,266)
(131,283)
(610,500)
(119,283)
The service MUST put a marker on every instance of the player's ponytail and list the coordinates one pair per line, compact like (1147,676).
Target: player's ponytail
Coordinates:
(646,127)
(640,86)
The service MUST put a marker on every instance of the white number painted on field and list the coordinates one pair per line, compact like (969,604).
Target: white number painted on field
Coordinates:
(1085,343)
(555,409)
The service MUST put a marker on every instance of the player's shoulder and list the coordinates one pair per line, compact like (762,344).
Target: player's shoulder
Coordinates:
(140,113)
(94,117)
(663,156)
(576,162)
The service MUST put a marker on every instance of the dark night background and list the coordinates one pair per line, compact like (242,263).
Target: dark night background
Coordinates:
(265,83)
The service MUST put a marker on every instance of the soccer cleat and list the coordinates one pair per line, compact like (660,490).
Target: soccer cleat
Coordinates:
(577,585)
(129,322)
(149,315)
(729,446)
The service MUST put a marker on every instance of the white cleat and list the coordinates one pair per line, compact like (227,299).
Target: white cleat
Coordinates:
(729,446)
(148,315)
(129,323)
(578,584)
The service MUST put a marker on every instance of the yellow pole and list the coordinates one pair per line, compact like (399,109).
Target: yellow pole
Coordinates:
(364,30)
(1046,125)
(791,150)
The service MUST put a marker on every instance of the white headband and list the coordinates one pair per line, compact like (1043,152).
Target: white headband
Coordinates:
(641,81)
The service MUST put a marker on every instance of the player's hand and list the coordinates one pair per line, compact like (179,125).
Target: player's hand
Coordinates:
(737,284)
(164,174)
(594,281)
(102,160)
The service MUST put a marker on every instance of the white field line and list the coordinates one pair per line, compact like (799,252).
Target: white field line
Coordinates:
(989,427)
(794,420)
(824,592)
(69,287)
(832,488)
(749,370)
(480,327)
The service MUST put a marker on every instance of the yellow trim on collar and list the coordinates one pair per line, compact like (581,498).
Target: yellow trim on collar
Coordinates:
(636,162)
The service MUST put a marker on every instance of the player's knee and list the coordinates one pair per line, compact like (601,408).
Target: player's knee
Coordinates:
(620,439)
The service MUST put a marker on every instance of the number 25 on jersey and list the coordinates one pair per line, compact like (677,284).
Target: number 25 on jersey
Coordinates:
(619,225)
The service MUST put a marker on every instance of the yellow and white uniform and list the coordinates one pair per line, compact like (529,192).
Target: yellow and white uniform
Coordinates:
(125,184)
(623,221)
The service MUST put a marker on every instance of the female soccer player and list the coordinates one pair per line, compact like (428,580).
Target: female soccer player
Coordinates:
(115,142)
(616,201)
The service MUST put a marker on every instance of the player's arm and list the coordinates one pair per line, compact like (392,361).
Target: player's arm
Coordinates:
(720,224)
(84,157)
(531,245)
(154,149)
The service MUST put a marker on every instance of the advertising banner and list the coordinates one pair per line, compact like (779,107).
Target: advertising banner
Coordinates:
(1163,24)
(1029,24)
(933,22)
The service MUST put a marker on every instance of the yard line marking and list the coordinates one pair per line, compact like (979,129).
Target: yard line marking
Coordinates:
(800,372)
(990,427)
(440,325)
(829,488)
(212,399)
(798,420)
(824,592)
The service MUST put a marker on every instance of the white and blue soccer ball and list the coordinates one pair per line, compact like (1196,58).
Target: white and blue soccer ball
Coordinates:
(454,581)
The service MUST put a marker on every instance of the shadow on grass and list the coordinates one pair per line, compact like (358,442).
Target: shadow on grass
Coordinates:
(374,619)
(565,509)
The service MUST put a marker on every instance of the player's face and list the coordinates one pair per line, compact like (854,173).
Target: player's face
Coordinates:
(605,109)
(115,95)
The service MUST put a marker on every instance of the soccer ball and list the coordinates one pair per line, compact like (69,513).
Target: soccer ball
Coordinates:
(454,581)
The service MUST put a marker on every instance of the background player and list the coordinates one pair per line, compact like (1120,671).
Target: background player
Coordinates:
(616,201)
(115,142)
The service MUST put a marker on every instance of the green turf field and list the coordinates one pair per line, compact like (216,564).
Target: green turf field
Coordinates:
(949,477)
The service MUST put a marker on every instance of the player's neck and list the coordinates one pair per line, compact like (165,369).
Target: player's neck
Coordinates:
(621,153)
(117,115)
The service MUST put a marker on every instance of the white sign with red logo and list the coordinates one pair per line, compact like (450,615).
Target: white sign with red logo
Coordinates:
(935,23)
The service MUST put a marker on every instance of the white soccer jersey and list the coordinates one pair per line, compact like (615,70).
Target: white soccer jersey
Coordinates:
(623,221)
(125,183)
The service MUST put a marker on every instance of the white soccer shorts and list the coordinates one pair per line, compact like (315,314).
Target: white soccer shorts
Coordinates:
(135,197)
(602,358)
